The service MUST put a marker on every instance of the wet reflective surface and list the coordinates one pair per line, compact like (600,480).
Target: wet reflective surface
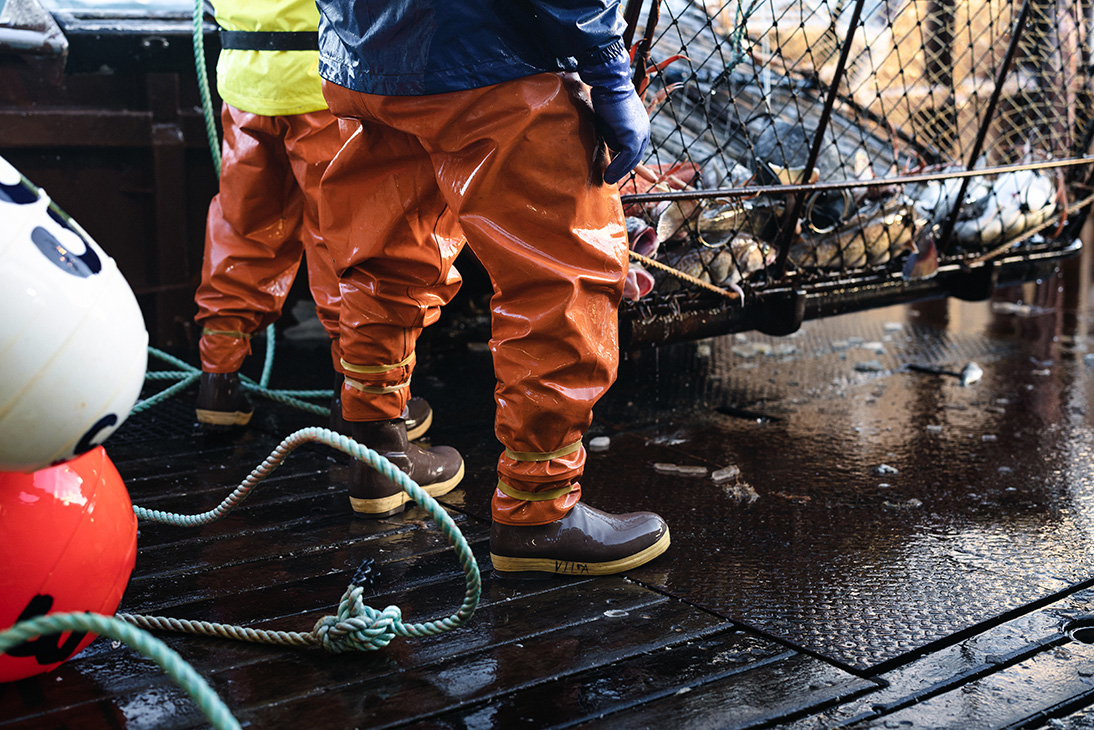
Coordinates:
(895,508)
(876,504)
(890,513)
(859,540)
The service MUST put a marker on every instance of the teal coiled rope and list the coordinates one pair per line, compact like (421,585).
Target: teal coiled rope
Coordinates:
(203,83)
(210,704)
(357,626)
(187,375)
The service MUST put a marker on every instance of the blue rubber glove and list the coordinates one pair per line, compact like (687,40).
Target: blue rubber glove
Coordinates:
(622,118)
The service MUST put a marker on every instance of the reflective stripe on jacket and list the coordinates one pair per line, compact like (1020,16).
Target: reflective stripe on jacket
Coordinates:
(417,47)
(269,83)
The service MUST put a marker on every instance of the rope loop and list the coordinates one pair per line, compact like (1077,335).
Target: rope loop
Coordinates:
(358,627)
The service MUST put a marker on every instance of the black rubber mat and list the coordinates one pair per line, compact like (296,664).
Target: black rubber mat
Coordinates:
(878,510)
(162,420)
(871,511)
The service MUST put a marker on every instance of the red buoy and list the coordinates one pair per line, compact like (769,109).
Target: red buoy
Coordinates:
(68,542)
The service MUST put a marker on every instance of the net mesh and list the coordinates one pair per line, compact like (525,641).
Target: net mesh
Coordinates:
(798,141)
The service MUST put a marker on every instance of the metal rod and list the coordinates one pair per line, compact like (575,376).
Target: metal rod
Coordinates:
(981,134)
(793,211)
(32,41)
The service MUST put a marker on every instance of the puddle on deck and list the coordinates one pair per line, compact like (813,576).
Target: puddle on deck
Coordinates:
(879,510)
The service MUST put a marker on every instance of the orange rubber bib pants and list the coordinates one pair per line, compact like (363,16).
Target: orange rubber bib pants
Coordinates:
(515,168)
(260,223)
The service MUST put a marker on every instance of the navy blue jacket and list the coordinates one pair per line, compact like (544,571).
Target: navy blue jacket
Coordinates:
(418,47)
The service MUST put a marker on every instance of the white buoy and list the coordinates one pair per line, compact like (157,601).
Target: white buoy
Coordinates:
(73,345)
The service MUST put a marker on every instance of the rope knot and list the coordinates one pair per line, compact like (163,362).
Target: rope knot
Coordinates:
(358,627)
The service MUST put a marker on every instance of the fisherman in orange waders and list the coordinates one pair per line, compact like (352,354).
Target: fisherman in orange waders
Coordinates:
(473,126)
(279,138)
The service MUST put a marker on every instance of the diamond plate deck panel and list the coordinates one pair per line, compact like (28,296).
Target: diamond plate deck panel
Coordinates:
(879,511)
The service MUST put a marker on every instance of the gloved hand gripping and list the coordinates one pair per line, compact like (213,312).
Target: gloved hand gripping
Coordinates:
(622,117)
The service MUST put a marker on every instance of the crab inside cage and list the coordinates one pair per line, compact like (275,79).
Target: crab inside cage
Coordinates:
(814,157)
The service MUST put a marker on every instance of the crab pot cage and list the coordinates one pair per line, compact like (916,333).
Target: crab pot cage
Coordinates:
(815,157)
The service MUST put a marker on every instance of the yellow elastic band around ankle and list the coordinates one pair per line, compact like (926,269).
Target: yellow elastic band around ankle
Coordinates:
(377,390)
(534,496)
(543,455)
(373,369)
(226,333)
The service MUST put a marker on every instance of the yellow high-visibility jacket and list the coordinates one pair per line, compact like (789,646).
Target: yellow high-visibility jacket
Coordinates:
(269,83)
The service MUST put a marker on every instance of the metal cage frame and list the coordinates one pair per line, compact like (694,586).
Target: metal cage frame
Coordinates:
(776,296)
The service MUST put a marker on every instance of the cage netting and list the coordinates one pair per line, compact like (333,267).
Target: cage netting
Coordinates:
(801,145)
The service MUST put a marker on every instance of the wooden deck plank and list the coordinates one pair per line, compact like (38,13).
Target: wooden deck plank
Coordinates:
(294,595)
(311,524)
(196,492)
(266,682)
(539,655)
(793,685)
(284,564)
(184,480)
(157,707)
(1022,695)
(597,693)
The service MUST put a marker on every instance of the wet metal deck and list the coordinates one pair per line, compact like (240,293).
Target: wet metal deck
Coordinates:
(897,549)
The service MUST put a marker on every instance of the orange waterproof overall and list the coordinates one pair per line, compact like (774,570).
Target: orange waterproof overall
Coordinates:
(515,168)
(260,223)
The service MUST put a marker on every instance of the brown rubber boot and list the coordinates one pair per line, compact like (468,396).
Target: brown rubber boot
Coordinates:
(418,414)
(371,494)
(222,402)
(584,542)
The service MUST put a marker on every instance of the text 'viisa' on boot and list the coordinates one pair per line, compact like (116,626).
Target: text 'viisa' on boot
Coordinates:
(584,542)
